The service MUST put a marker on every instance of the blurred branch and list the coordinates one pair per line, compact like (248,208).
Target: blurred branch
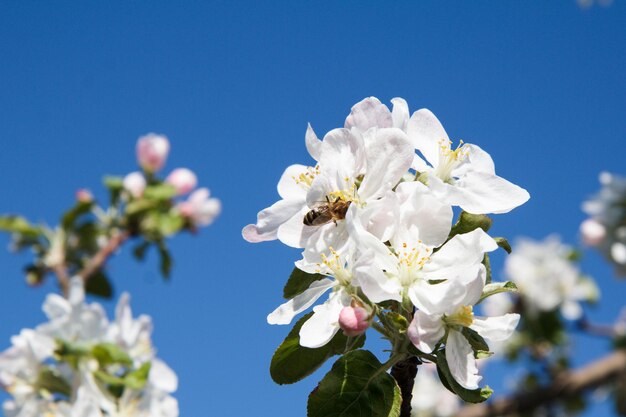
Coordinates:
(569,384)
(64,280)
(102,255)
(404,373)
(602,330)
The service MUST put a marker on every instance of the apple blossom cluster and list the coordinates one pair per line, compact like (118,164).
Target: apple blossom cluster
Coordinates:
(152,151)
(605,229)
(373,216)
(80,364)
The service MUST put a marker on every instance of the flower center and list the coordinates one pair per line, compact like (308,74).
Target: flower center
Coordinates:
(334,263)
(411,260)
(306,178)
(463,316)
(449,159)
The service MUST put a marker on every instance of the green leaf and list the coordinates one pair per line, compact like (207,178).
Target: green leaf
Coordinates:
(504,244)
(298,282)
(140,206)
(471,396)
(166,260)
(476,340)
(109,353)
(487,263)
(70,216)
(137,379)
(160,191)
(113,183)
(496,288)
(139,251)
(357,385)
(17,224)
(170,223)
(108,378)
(292,362)
(52,381)
(468,222)
(98,284)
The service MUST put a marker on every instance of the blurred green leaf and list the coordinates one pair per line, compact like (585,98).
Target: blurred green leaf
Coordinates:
(70,216)
(109,353)
(487,263)
(17,224)
(166,260)
(139,251)
(160,191)
(298,282)
(137,379)
(99,284)
(357,385)
(504,244)
(496,288)
(52,381)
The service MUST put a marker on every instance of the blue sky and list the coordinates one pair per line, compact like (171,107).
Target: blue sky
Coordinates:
(540,85)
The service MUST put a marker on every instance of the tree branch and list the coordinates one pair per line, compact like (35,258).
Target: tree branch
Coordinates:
(102,255)
(404,372)
(567,385)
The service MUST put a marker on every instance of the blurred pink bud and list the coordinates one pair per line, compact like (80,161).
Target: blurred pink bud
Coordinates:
(84,196)
(135,184)
(183,179)
(152,151)
(354,320)
(592,232)
(199,208)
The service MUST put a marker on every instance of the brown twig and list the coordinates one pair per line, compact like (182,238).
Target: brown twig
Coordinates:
(602,371)
(64,280)
(102,255)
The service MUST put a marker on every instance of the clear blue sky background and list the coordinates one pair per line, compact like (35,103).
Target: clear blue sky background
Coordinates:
(540,85)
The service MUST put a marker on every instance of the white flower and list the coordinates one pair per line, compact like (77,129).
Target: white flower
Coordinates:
(427,330)
(199,208)
(133,335)
(135,184)
(152,151)
(464,176)
(73,320)
(547,280)
(430,397)
(56,253)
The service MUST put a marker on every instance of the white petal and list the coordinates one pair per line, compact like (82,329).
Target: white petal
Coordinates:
(425,331)
(287,311)
(436,298)
(467,249)
(342,158)
(288,187)
(389,157)
(269,219)
(477,160)
(369,113)
(496,328)
(460,358)
(571,310)
(323,325)
(379,216)
(313,144)
(400,113)
(483,193)
(56,306)
(426,133)
(294,232)
(162,376)
(374,283)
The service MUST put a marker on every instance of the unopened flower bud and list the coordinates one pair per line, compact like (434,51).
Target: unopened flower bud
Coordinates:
(199,208)
(592,232)
(152,151)
(135,184)
(354,320)
(84,196)
(183,179)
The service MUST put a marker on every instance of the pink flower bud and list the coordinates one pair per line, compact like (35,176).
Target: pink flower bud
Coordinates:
(354,320)
(152,151)
(183,179)
(135,184)
(84,196)
(592,232)
(199,208)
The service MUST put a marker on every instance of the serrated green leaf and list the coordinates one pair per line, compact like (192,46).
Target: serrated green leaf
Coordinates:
(109,353)
(160,191)
(468,222)
(292,362)
(504,244)
(298,282)
(17,224)
(137,379)
(357,385)
(496,288)
(70,216)
(99,284)
(471,396)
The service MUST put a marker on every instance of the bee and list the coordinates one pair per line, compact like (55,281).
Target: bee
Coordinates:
(331,211)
